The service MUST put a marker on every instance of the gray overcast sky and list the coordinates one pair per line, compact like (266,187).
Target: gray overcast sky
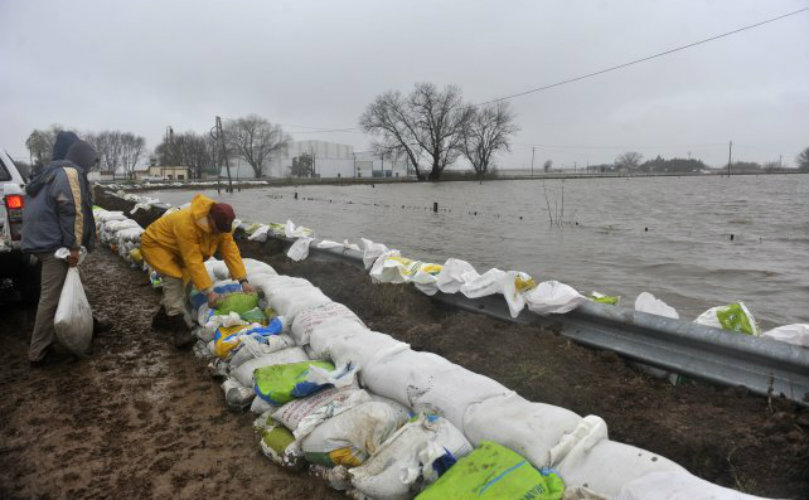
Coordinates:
(143,65)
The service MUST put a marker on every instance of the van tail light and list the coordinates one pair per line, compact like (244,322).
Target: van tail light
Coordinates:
(15,201)
(14,207)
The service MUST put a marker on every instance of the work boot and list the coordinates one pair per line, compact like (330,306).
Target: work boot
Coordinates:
(182,336)
(161,321)
(101,324)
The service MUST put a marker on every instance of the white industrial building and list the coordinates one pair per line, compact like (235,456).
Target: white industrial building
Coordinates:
(331,160)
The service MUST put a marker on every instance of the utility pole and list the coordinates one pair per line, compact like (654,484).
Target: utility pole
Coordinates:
(533,150)
(730,155)
(224,152)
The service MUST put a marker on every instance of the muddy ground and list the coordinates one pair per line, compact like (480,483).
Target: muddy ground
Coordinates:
(140,419)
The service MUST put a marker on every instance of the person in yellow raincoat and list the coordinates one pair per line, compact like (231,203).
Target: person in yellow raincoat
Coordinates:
(177,245)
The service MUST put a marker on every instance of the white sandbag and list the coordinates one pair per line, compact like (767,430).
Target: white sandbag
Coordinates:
(553,297)
(244,373)
(299,250)
(307,320)
(271,286)
(260,234)
(427,382)
(73,321)
(371,252)
(488,283)
(403,465)
(347,342)
(530,429)
(293,231)
(217,269)
(648,303)
(251,348)
(256,267)
(677,486)
(260,406)
(734,317)
(354,435)
(103,216)
(334,399)
(237,396)
(797,334)
(453,275)
(296,300)
(586,457)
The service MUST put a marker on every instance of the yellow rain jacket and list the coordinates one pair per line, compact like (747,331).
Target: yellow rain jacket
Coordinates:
(177,244)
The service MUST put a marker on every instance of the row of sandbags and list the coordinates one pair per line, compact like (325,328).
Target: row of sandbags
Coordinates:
(519,289)
(118,232)
(352,375)
(376,379)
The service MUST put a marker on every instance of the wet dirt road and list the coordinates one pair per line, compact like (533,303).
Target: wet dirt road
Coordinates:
(138,419)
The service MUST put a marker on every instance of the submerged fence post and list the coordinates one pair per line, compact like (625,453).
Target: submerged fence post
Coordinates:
(435,206)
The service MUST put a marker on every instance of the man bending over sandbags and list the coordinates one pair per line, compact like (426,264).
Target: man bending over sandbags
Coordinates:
(176,246)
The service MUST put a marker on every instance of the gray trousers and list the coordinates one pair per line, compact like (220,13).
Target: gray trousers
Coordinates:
(53,277)
(174,298)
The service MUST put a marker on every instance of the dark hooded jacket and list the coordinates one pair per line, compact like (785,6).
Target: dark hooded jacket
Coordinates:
(59,206)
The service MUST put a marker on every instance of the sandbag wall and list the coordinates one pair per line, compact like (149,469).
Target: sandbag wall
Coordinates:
(377,418)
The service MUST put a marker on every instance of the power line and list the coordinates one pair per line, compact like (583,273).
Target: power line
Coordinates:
(599,72)
(643,59)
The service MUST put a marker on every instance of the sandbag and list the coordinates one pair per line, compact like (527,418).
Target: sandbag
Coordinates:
(530,429)
(410,458)
(238,302)
(237,396)
(648,303)
(277,443)
(296,300)
(553,297)
(494,472)
(352,436)
(677,486)
(252,348)
(345,341)
(73,321)
(244,373)
(426,381)
(586,457)
(315,408)
(279,384)
(797,334)
(732,317)
(308,319)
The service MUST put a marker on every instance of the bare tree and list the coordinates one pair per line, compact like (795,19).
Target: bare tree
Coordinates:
(256,140)
(547,166)
(427,126)
(487,131)
(40,145)
(803,160)
(190,150)
(132,147)
(628,161)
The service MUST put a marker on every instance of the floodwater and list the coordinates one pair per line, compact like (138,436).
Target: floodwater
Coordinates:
(694,242)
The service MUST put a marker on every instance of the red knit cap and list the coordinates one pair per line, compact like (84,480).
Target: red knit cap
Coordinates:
(222,215)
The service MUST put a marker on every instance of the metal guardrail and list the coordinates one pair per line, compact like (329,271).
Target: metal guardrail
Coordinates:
(762,365)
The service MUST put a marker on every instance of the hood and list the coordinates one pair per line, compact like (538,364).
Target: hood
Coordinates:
(82,155)
(200,207)
(45,176)
(64,140)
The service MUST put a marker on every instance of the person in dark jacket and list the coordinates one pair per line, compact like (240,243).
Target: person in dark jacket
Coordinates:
(58,213)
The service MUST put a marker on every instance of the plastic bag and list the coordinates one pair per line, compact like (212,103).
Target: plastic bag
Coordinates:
(494,472)
(797,334)
(73,321)
(277,443)
(733,317)
(300,249)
